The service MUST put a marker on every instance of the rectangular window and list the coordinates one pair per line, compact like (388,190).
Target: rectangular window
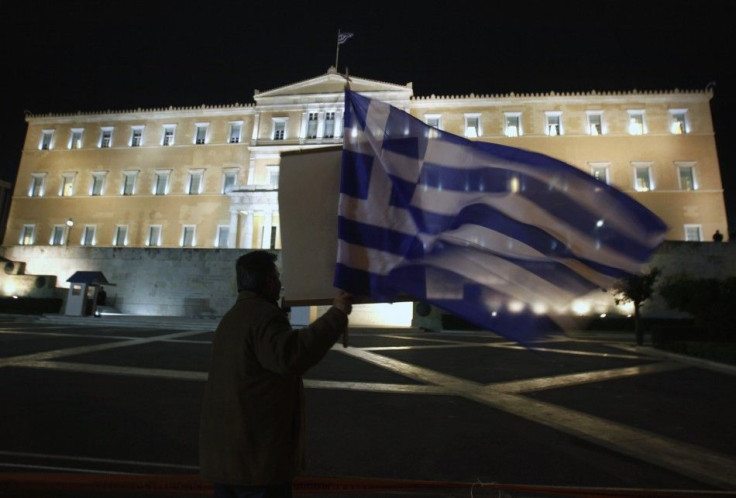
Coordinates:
(98,183)
(129,181)
(279,129)
(228,181)
(161,187)
(154,236)
(195,182)
(121,236)
(637,126)
(433,120)
(686,175)
(329,125)
(187,236)
(554,123)
(642,178)
(273,175)
(678,121)
(136,136)
(472,126)
(57,235)
(88,235)
(75,138)
(36,188)
(46,137)
(599,171)
(595,123)
(106,138)
(223,232)
(168,136)
(693,233)
(236,130)
(200,133)
(27,235)
(512,124)
(312,125)
(67,185)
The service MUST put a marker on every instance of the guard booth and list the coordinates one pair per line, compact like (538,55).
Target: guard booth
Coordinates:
(83,292)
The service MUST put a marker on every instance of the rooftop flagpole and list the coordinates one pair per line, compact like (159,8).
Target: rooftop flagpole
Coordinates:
(342,37)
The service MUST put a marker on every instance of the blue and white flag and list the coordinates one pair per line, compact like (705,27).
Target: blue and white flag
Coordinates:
(342,37)
(480,230)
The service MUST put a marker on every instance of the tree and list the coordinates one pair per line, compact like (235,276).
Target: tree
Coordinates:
(636,289)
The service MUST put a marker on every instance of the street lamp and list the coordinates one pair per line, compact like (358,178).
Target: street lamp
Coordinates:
(69,225)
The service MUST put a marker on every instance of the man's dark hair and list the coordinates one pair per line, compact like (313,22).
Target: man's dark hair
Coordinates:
(253,269)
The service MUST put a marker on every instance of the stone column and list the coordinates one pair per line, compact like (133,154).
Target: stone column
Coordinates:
(232,236)
(266,242)
(249,230)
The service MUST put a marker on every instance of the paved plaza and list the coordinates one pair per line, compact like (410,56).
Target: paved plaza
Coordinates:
(401,404)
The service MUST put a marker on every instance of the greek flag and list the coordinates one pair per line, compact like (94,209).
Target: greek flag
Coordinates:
(499,236)
(342,37)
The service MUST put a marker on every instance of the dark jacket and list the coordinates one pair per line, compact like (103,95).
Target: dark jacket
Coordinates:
(252,423)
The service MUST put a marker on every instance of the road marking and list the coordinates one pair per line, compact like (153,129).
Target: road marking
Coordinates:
(63,469)
(96,460)
(115,370)
(376,387)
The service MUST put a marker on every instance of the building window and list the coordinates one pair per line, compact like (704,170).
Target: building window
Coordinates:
(75,138)
(236,131)
(223,232)
(67,185)
(57,235)
(512,124)
(200,133)
(168,136)
(194,186)
(229,178)
(643,178)
(154,236)
(472,126)
(106,138)
(599,171)
(273,175)
(187,236)
(554,123)
(88,235)
(312,124)
(98,183)
(329,125)
(595,123)
(693,233)
(27,234)
(433,120)
(686,175)
(129,181)
(279,128)
(46,137)
(36,189)
(136,136)
(637,125)
(121,236)
(678,121)
(161,187)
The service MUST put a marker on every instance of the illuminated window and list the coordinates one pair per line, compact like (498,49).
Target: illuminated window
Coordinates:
(279,128)
(200,133)
(136,136)
(194,186)
(693,233)
(600,171)
(161,187)
(89,235)
(637,125)
(223,232)
(433,120)
(187,236)
(27,235)
(273,175)
(686,176)
(168,136)
(512,124)
(472,126)
(75,138)
(98,183)
(228,181)
(312,124)
(329,125)
(46,137)
(678,121)
(129,182)
(57,235)
(121,236)
(154,236)
(595,122)
(643,177)
(106,137)
(554,123)
(67,185)
(36,189)
(236,130)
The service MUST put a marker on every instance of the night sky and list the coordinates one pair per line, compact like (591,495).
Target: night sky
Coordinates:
(67,56)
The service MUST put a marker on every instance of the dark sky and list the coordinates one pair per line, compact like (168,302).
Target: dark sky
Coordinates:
(66,56)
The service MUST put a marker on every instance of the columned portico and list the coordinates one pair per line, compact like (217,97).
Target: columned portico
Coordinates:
(251,205)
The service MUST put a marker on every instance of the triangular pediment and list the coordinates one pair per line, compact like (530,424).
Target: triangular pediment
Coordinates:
(326,86)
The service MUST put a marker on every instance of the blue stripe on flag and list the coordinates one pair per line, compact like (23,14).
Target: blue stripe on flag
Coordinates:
(390,241)
(357,182)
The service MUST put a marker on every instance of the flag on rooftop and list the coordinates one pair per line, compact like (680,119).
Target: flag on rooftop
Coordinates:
(343,36)
(481,230)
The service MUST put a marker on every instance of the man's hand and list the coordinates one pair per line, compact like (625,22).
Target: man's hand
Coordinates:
(344,302)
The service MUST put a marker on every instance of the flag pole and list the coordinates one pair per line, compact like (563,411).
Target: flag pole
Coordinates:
(337,50)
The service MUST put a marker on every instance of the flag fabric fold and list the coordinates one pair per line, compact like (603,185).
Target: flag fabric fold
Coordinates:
(343,36)
(481,230)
